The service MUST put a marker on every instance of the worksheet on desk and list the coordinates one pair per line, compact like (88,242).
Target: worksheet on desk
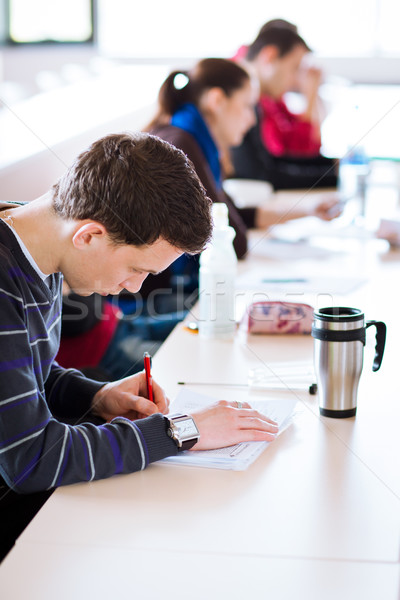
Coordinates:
(240,456)
(274,283)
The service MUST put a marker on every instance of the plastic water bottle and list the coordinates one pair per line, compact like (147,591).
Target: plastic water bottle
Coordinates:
(354,169)
(355,165)
(353,176)
(218,266)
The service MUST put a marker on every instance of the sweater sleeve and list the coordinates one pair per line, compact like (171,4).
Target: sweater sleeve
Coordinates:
(38,451)
(185,142)
(69,393)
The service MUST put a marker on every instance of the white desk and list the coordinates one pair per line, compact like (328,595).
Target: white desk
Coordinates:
(316,516)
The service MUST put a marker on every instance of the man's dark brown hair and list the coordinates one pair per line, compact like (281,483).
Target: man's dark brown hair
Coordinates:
(140,188)
(285,39)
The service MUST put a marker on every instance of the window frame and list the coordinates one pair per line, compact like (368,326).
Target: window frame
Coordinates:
(8,42)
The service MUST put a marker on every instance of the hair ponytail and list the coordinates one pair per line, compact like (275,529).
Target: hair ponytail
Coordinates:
(181,87)
(174,92)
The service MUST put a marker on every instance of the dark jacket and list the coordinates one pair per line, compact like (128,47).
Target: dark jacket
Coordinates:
(241,219)
(252,160)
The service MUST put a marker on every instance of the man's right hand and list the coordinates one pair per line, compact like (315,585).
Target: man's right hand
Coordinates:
(224,424)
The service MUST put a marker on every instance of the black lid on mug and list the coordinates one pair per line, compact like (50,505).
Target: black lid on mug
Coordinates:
(339,313)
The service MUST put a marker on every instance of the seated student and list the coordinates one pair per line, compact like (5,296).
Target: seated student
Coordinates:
(204,112)
(130,205)
(103,342)
(283,148)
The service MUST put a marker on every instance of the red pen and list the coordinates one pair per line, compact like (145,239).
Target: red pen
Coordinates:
(149,381)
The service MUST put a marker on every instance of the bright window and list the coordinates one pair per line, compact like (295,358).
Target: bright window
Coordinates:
(35,21)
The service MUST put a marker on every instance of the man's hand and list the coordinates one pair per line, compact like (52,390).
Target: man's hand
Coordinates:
(310,80)
(328,207)
(128,398)
(223,424)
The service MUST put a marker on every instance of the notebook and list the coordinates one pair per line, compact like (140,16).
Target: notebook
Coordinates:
(240,456)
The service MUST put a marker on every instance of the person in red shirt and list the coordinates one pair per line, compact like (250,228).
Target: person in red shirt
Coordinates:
(276,57)
(107,342)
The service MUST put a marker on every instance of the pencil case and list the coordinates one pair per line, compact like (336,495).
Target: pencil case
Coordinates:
(278,317)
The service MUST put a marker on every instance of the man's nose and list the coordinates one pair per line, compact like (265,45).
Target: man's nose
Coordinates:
(134,283)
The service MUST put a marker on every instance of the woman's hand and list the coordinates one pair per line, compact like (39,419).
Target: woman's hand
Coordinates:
(329,207)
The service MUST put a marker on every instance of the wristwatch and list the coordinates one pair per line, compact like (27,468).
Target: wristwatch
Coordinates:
(183,430)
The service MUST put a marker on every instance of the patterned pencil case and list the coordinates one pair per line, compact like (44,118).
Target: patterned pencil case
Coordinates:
(278,317)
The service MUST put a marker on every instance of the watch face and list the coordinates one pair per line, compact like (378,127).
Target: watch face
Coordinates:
(186,428)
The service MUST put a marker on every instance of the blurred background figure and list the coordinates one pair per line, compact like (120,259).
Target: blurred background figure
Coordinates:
(106,338)
(283,147)
(206,111)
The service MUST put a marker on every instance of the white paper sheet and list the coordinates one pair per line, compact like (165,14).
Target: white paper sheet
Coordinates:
(240,456)
(287,250)
(275,283)
(302,230)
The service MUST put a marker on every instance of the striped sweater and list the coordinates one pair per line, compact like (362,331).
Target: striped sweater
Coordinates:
(39,451)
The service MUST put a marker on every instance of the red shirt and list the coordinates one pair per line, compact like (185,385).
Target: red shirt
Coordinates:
(284,133)
(87,349)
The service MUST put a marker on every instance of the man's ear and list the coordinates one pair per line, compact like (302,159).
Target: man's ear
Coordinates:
(268,54)
(87,234)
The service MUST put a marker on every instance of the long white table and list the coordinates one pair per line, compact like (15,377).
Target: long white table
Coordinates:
(316,516)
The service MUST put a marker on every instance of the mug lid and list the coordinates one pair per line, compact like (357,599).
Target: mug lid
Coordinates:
(339,313)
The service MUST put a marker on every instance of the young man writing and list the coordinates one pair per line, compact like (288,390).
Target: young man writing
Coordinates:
(129,206)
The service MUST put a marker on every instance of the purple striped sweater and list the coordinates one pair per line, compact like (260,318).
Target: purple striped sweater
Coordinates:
(39,451)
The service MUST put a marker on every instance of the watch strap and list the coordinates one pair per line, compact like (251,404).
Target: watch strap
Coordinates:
(186,445)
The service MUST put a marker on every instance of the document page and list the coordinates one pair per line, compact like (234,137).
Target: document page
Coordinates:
(240,456)
(274,283)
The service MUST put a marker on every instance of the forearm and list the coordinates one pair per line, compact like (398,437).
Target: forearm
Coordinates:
(69,393)
(269,216)
(63,454)
(311,112)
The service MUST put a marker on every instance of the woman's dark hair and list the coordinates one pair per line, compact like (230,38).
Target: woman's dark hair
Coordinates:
(284,38)
(182,87)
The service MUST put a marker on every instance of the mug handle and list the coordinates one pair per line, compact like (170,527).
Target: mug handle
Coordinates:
(380,342)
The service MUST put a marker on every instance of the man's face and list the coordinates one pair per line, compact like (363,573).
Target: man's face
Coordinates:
(280,74)
(105,268)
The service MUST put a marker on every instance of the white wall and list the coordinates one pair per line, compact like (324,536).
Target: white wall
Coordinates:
(40,136)
(27,176)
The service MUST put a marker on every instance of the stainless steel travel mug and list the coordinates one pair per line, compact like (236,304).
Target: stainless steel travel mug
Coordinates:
(339,339)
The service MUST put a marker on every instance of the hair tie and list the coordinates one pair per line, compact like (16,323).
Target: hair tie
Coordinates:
(180,81)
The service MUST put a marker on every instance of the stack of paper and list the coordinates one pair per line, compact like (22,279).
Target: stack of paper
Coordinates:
(240,456)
